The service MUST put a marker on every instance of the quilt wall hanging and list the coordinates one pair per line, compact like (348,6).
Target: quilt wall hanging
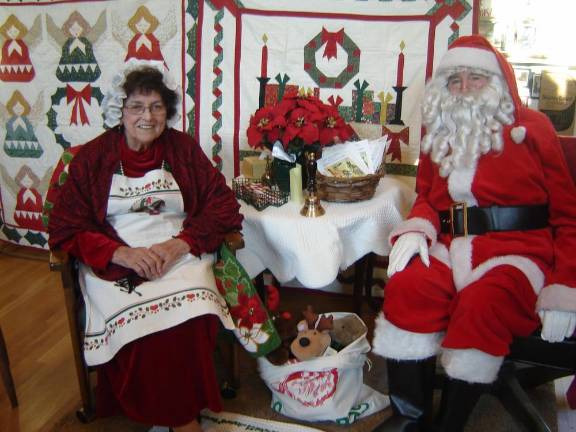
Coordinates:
(370,58)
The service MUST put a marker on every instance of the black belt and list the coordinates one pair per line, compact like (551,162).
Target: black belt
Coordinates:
(463,220)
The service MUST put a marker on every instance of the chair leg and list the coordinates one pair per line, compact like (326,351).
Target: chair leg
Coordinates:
(359,283)
(515,400)
(370,264)
(228,349)
(88,411)
(5,372)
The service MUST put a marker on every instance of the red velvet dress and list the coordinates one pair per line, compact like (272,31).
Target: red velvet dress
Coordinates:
(165,378)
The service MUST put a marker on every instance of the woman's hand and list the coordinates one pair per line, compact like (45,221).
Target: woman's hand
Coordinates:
(145,262)
(170,251)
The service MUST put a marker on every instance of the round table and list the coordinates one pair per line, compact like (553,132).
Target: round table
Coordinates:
(314,250)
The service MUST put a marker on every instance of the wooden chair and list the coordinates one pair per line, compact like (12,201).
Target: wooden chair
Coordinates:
(67,266)
(5,372)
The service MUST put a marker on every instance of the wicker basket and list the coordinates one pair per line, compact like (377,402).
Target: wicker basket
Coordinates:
(348,189)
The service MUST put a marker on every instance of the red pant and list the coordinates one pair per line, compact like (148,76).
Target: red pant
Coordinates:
(485,315)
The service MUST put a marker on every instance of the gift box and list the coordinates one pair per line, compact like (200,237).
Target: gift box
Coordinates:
(253,167)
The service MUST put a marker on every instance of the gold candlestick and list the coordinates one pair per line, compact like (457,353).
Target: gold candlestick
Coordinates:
(312,206)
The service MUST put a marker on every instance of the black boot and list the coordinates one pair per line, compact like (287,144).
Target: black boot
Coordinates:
(458,400)
(411,386)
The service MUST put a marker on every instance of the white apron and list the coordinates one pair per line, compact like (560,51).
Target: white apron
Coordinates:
(145,211)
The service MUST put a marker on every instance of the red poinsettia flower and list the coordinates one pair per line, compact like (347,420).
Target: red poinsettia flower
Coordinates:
(265,127)
(297,121)
(301,124)
(249,311)
(334,129)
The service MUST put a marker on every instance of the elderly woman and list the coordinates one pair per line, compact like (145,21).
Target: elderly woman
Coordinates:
(141,210)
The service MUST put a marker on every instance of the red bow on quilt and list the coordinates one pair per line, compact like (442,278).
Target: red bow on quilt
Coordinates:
(331,39)
(395,138)
(76,96)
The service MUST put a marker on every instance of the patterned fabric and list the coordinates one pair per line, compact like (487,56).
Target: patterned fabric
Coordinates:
(254,328)
(369,58)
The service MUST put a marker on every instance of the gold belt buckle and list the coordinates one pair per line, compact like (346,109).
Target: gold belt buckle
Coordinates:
(460,205)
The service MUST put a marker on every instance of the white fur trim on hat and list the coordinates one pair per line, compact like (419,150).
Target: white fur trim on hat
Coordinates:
(393,342)
(471,365)
(518,134)
(470,57)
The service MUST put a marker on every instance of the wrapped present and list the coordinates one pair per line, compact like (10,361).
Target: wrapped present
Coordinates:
(253,167)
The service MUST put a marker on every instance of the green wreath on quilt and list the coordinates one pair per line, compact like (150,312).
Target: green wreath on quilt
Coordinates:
(254,327)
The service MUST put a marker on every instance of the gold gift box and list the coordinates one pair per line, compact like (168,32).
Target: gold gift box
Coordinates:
(252,167)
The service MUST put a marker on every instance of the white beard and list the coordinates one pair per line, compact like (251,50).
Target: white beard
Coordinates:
(461,128)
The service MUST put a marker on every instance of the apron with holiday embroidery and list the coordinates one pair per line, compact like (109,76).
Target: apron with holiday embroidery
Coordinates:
(144,211)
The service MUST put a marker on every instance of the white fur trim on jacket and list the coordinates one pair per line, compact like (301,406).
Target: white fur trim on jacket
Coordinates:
(471,365)
(557,297)
(440,252)
(392,342)
(461,256)
(416,224)
(460,185)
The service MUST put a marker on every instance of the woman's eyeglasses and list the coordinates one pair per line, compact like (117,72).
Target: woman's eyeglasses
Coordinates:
(137,109)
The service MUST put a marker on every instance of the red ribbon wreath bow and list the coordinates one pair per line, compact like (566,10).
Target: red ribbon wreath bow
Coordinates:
(331,39)
(76,96)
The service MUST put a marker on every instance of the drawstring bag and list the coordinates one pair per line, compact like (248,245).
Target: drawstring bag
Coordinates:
(324,388)
(254,328)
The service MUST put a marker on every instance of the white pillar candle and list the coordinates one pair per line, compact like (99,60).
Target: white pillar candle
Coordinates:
(296,185)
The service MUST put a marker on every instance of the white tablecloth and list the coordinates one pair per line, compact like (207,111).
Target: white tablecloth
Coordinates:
(313,250)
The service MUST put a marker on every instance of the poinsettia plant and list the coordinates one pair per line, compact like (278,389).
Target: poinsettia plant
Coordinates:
(297,121)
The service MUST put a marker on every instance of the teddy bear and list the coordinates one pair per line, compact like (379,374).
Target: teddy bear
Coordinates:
(346,330)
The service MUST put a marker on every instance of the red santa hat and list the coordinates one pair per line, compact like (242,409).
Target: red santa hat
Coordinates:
(476,52)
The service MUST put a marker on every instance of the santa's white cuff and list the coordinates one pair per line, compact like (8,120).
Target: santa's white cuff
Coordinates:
(557,297)
(416,224)
(394,343)
(471,365)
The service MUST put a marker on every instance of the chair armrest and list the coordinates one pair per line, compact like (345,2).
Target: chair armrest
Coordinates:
(58,259)
(234,240)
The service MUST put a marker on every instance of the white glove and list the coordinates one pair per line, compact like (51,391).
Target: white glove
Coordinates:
(407,245)
(557,325)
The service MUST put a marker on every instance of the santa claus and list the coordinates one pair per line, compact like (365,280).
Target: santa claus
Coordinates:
(485,253)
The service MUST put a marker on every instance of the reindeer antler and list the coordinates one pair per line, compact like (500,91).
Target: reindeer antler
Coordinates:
(310,316)
(325,323)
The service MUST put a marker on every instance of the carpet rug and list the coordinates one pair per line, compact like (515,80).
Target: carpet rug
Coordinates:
(231,422)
